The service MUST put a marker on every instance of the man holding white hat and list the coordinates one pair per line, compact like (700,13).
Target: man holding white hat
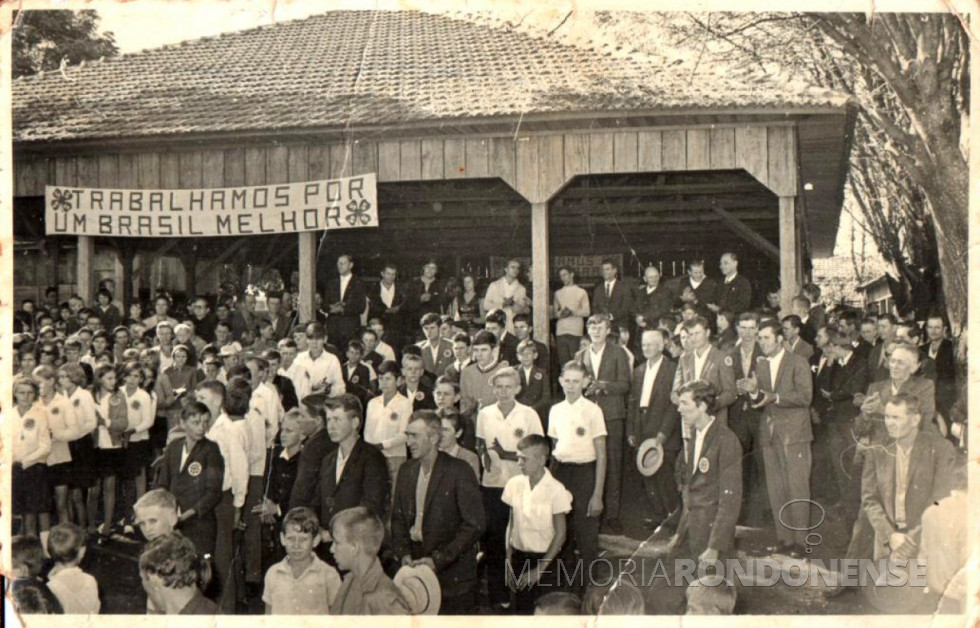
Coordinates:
(653,425)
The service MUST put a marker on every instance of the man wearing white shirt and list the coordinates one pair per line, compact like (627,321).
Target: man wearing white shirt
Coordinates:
(323,367)
(296,373)
(507,294)
(264,390)
(571,308)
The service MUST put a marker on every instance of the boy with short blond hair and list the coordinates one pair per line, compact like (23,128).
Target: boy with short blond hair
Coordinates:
(301,583)
(77,591)
(357,536)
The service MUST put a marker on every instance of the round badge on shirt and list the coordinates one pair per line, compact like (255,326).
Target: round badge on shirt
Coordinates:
(728,360)
(580,431)
(394,416)
(29,424)
(518,433)
(194,469)
(355,379)
(448,353)
(703,465)
(55,410)
(419,396)
(136,405)
(77,402)
(537,377)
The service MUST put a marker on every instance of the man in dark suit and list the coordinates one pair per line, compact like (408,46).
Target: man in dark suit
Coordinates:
(877,360)
(735,292)
(415,389)
(282,324)
(387,301)
(422,295)
(316,446)
(345,298)
(651,414)
(705,361)
(710,476)
(437,352)
(850,323)
(704,288)
(793,337)
(783,390)
(437,515)
(743,419)
(522,332)
(850,380)
(900,480)
(196,480)
(650,301)
(353,474)
(940,350)
(611,296)
(535,391)
(496,324)
(608,368)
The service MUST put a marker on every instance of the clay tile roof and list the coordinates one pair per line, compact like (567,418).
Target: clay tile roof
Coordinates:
(363,68)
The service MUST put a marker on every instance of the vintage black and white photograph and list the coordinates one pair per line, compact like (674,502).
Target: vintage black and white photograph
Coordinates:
(509,309)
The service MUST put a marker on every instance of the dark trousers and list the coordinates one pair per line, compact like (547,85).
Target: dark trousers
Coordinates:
(201,530)
(583,531)
(661,488)
(744,422)
(224,549)
(253,531)
(524,599)
(840,443)
(494,542)
(568,346)
(461,604)
(613,489)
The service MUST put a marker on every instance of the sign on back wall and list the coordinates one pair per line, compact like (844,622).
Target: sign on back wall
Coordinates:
(252,210)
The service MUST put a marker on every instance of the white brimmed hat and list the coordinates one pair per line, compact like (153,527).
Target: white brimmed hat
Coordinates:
(649,457)
(420,586)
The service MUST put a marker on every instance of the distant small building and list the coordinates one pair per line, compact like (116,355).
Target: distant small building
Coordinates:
(877,295)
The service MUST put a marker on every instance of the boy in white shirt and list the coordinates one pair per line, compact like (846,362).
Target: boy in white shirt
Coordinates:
(77,591)
(536,531)
(387,418)
(301,583)
(578,430)
(499,427)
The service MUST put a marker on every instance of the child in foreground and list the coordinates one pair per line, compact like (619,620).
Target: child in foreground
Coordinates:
(301,583)
(77,591)
(357,536)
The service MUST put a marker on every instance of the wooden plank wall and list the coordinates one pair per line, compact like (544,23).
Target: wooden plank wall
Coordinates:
(536,166)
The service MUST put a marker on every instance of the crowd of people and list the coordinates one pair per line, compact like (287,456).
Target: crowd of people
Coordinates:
(415,429)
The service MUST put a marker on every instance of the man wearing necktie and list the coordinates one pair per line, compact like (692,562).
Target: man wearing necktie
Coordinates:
(611,296)
(783,388)
(346,300)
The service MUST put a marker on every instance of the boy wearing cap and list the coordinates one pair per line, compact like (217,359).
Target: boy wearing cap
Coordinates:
(499,427)
(437,352)
(537,527)
(578,432)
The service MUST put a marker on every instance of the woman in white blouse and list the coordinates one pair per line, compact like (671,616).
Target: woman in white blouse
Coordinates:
(32,444)
(61,422)
(141,413)
(71,379)
(113,420)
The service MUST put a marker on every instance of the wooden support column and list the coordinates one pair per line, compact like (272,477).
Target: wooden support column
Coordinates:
(788,253)
(83,266)
(540,271)
(307,275)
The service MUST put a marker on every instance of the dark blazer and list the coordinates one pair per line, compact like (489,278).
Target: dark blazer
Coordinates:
(945,364)
(281,477)
(451,526)
(508,348)
(444,358)
(736,296)
(306,484)
(705,293)
(654,305)
(535,392)
(614,369)
(712,491)
(413,299)
(847,380)
(394,321)
(427,402)
(197,486)
(743,403)
(787,421)
(281,327)
(342,326)
(364,483)
(930,469)
(863,349)
(823,379)
(619,304)
(661,413)
(359,384)
(877,369)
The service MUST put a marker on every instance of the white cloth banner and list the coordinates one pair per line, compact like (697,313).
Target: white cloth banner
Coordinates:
(253,210)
